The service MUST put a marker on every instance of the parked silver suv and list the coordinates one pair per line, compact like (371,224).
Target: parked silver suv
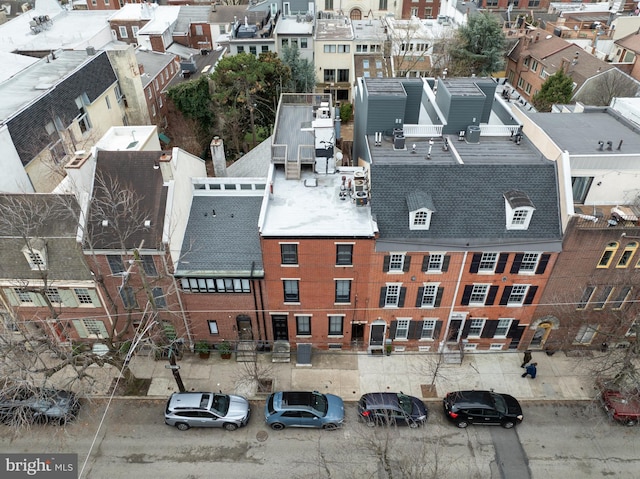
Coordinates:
(207,409)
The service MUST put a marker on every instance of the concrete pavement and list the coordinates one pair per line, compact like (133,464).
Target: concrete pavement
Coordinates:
(350,374)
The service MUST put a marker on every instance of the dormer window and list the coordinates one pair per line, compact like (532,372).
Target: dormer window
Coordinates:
(421,208)
(36,254)
(519,210)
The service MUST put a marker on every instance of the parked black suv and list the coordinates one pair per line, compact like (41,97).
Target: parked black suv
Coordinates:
(482,407)
(392,409)
(34,404)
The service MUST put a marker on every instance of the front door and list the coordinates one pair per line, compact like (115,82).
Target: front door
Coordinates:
(357,334)
(280,327)
(377,334)
(245,333)
(540,336)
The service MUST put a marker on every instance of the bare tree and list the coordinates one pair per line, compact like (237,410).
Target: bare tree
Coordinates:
(604,87)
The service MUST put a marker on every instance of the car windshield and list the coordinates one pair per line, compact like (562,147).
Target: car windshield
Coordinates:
(320,403)
(220,404)
(405,403)
(499,403)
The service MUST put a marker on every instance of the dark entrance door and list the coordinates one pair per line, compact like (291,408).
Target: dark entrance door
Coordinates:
(357,334)
(280,327)
(245,333)
(377,334)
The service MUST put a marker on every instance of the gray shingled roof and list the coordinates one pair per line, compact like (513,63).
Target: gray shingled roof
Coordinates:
(470,206)
(222,238)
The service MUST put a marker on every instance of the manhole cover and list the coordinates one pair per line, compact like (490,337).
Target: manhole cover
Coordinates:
(262,436)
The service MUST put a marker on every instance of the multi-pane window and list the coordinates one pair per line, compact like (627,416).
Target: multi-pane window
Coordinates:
(303,43)
(328,4)
(291,293)
(603,295)
(329,48)
(518,293)
(289,253)
(83,296)
(343,75)
(519,217)
(503,328)
(529,262)
(329,75)
(621,297)
(128,297)
(478,293)
(633,329)
(336,325)
(402,329)
(215,285)
(344,254)
(115,263)
(343,291)
(580,186)
(253,50)
(488,262)
(382,5)
(53,295)
(435,262)
(429,295)
(475,327)
(392,295)
(123,32)
(23,295)
(90,328)
(586,296)
(627,254)
(607,255)
(420,218)
(303,325)
(149,266)
(586,333)
(428,329)
(344,48)
(35,259)
(159,298)
(396,262)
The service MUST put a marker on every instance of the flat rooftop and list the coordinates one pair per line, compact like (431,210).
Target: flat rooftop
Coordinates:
(296,208)
(334,29)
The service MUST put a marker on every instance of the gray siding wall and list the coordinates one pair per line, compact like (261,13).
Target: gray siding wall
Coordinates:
(414,97)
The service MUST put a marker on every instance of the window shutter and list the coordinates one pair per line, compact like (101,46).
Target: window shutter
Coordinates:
(516,336)
(419,298)
(475,262)
(515,267)
(490,326)
(425,262)
(385,264)
(414,331)
(513,328)
(12,296)
(530,294)
(466,295)
(392,329)
(403,293)
(439,296)
(383,295)
(407,263)
(37,299)
(502,262)
(505,295)
(454,329)
(95,299)
(491,296)
(445,263)
(68,298)
(437,330)
(542,265)
(466,328)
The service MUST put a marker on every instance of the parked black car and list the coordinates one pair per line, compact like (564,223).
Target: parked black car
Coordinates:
(34,404)
(482,407)
(390,408)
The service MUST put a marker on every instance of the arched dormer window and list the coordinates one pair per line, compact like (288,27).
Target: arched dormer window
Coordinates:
(518,210)
(421,208)
(607,254)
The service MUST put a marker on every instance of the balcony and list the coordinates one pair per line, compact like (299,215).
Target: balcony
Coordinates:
(621,217)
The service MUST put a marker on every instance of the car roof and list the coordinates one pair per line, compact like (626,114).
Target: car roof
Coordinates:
(381,399)
(472,398)
(191,400)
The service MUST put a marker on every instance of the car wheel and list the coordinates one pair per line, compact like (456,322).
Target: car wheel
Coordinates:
(630,422)
(508,424)
(414,424)
(330,427)
(370,423)
(462,424)
(182,426)
(277,426)
(229,426)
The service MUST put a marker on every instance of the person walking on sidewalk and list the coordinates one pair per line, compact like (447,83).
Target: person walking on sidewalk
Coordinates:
(527,358)
(531,370)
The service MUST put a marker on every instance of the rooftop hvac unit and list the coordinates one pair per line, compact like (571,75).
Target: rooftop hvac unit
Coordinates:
(398,142)
(473,134)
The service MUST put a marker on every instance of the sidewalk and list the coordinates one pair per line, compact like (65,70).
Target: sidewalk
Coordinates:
(351,374)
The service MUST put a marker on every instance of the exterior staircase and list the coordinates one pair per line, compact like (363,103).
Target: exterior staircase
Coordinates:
(452,353)
(246,351)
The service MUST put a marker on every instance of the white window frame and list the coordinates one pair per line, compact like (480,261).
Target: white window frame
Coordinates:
(135,29)
(420,219)
(470,347)
(392,295)
(23,296)
(402,329)
(529,263)
(488,262)
(90,328)
(478,291)
(123,31)
(436,261)
(428,329)
(429,295)
(496,347)
(504,321)
(53,294)
(476,326)
(83,297)
(518,294)
(396,262)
